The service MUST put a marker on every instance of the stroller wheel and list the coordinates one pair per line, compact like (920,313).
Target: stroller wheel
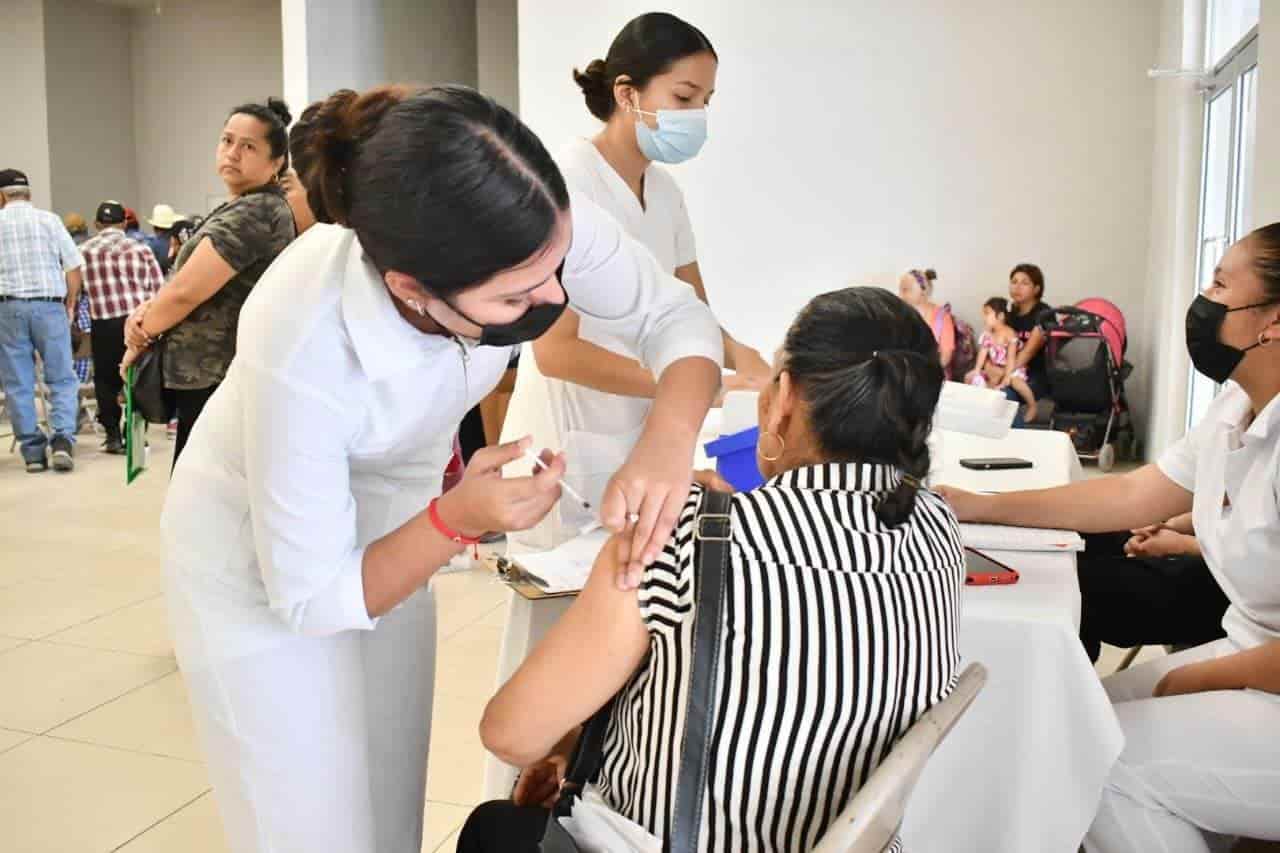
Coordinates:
(1107,458)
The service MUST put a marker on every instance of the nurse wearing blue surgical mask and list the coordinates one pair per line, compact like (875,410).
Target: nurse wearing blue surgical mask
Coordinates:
(587,390)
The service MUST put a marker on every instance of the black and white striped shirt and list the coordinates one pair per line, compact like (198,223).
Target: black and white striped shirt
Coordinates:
(840,632)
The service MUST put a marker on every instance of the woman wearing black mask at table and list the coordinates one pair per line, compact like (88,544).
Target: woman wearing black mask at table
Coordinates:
(305,518)
(1201,755)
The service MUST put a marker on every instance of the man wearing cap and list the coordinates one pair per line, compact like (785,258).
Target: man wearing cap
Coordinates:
(163,218)
(119,275)
(40,279)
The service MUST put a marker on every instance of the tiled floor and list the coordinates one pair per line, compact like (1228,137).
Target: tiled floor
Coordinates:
(97,751)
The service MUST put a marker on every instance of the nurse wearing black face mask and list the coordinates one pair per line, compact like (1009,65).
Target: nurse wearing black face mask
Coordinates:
(1201,754)
(305,516)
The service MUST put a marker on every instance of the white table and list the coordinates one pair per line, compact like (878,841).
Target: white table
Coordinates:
(1023,771)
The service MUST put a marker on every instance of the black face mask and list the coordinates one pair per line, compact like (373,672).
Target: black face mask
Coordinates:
(1209,355)
(529,326)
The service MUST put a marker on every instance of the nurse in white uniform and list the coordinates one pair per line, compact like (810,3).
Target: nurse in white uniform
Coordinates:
(304,520)
(586,390)
(1201,762)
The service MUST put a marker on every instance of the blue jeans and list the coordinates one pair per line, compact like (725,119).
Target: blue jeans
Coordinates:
(25,329)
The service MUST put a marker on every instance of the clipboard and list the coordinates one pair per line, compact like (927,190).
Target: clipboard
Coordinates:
(510,572)
(135,434)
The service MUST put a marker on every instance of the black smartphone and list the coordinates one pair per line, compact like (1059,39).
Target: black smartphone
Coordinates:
(996,463)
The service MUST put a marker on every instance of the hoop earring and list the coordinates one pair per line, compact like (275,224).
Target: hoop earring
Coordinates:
(782,447)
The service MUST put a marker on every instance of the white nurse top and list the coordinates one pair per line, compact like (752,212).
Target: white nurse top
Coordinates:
(1234,472)
(597,430)
(336,420)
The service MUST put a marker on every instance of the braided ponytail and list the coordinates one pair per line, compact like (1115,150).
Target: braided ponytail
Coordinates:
(900,401)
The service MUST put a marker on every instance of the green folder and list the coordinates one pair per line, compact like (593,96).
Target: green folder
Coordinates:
(135,434)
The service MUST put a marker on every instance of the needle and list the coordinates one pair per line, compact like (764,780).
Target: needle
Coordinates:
(533,457)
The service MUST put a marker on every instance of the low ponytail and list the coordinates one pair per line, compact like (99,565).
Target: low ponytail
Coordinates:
(867,366)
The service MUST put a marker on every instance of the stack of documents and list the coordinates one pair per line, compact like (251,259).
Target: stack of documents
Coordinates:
(566,567)
(996,537)
(973,410)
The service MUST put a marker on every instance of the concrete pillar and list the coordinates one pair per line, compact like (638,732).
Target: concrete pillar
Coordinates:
(330,45)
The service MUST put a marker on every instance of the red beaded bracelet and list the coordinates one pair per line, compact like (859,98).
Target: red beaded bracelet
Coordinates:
(433,513)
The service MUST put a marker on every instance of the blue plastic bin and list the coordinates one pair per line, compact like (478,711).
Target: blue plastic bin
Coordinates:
(735,457)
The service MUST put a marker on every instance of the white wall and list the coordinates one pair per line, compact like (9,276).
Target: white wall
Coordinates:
(90,96)
(859,138)
(190,65)
(497,51)
(1175,205)
(24,142)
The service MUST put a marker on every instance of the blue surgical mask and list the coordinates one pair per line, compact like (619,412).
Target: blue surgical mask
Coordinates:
(679,137)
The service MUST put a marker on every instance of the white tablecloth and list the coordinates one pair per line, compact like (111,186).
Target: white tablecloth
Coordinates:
(1023,771)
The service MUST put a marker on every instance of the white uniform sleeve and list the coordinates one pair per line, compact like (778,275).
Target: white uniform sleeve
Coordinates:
(301,505)
(613,278)
(686,245)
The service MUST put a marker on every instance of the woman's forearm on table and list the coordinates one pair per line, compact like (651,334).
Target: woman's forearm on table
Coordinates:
(1121,502)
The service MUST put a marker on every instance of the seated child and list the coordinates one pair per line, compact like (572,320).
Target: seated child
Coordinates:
(997,355)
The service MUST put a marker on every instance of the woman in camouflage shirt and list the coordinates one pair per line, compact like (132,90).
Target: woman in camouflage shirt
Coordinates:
(199,309)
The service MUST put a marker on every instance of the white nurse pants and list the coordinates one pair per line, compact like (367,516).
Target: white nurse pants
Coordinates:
(319,745)
(1197,770)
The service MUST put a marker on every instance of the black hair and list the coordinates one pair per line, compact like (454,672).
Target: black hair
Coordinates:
(867,366)
(646,47)
(276,116)
(442,184)
(1265,243)
(997,304)
(1032,272)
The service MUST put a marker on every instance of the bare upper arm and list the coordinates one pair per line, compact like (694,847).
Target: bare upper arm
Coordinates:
(204,274)
(582,662)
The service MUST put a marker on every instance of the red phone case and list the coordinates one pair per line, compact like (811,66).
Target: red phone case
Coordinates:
(1009,576)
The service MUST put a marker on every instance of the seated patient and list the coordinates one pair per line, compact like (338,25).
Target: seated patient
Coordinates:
(841,611)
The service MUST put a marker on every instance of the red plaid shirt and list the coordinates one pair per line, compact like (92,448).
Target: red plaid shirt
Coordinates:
(119,274)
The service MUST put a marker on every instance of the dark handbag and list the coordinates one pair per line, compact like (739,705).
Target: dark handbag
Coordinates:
(148,385)
(711,534)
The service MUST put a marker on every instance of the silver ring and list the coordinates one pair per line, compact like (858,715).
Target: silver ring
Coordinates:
(633,517)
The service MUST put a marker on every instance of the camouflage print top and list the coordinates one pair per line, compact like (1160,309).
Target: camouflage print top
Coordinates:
(246,232)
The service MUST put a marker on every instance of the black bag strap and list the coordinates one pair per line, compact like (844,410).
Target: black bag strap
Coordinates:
(712,531)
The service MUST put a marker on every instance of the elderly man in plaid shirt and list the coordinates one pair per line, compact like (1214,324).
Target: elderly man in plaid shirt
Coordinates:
(39,285)
(120,274)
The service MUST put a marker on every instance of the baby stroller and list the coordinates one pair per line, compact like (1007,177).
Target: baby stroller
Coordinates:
(1085,351)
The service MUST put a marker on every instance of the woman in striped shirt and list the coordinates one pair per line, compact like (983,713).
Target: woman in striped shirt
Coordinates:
(840,618)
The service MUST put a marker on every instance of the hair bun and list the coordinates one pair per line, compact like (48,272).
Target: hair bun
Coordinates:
(596,90)
(281,109)
(931,275)
(330,143)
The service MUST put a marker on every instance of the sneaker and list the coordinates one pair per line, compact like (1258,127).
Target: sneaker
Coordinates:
(35,466)
(113,445)
(63,450)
